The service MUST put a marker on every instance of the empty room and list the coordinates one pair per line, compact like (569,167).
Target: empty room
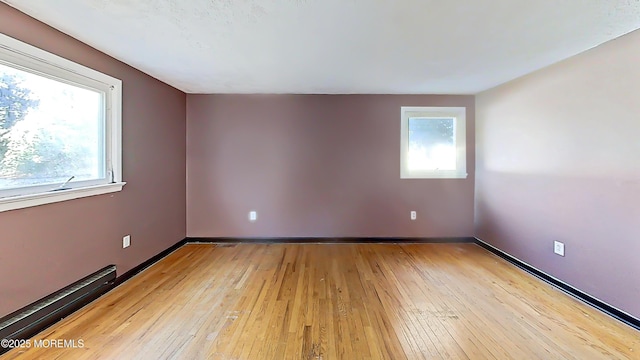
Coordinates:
(313,179)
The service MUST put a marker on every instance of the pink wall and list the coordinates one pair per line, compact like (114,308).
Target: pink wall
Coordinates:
(47,247)
(558,159)
(315,166)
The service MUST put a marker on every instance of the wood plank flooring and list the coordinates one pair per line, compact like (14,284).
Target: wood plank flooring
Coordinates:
(337,301)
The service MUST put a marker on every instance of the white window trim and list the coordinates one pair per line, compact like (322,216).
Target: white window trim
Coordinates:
(56,67)
(459,114)
(24,201)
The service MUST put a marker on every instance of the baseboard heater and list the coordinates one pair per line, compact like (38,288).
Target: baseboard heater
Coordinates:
(35,317)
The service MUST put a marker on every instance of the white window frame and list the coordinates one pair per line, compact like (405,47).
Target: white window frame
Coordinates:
(20,55)
(459,116)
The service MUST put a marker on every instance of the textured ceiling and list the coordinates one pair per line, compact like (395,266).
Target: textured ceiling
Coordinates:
(338,46)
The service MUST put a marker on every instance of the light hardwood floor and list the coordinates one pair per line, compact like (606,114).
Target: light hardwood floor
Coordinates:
(337,301)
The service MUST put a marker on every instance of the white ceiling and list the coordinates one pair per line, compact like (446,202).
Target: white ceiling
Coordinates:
(338,46)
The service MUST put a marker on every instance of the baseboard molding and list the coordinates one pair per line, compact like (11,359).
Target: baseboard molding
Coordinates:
(138,269)
(330,240)
(49,319)
(83,301)
(559,284)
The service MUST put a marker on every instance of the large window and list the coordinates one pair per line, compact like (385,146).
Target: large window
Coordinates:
(59,128)
(433,143)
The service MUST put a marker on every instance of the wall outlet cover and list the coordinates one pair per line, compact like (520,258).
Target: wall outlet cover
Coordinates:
(558,248)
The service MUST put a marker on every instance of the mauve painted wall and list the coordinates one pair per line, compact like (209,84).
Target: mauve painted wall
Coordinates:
(558,158)
(47,247)
(315,166)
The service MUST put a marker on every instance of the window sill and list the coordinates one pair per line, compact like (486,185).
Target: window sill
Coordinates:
(24,201)
(433,175)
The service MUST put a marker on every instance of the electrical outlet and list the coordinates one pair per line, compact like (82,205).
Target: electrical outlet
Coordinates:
(558,248)
(414,215)
(126,241)
(253,216)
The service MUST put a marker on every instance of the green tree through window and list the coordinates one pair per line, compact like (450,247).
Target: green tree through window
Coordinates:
(15,102)
(50,130)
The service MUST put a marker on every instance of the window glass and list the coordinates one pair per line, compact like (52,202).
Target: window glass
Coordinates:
(432,144)
(49,130)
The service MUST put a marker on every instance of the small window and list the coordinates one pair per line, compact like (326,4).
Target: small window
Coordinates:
(59,128)
(433,143)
